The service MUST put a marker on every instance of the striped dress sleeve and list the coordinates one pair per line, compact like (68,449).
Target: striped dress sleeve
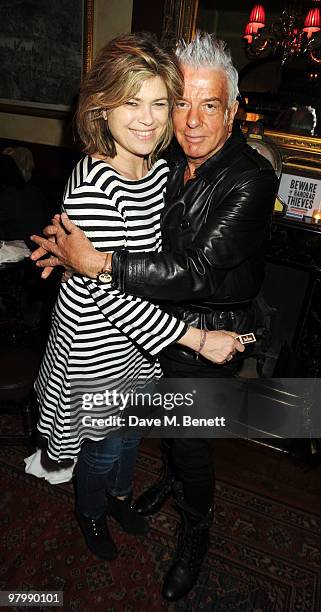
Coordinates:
(145,324)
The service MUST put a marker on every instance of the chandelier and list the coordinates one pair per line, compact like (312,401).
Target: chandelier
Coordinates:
(291,35)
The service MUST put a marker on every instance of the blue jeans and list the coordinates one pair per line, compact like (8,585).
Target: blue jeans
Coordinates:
(104,466)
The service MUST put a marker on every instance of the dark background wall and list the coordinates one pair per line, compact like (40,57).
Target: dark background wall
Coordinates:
(148,15)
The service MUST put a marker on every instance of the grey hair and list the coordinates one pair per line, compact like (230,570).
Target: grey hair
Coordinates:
(207,51)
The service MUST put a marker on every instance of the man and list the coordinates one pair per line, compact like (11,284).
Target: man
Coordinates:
(216,225)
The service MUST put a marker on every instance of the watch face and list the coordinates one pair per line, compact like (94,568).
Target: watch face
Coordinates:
(269,151)
(105,277)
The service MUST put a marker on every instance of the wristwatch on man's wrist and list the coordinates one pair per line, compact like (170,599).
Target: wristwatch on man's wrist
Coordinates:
(105,275)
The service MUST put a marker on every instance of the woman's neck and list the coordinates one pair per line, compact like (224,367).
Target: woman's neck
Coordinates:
(132,167)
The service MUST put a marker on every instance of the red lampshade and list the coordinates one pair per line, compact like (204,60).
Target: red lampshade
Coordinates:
(248,32)
(257,17)
(312,22)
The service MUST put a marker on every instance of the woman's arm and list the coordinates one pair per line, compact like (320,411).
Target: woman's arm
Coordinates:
(216,346)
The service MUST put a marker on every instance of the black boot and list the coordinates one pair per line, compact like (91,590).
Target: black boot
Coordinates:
(127,516)
(97,536)
(153,498)
(192,546)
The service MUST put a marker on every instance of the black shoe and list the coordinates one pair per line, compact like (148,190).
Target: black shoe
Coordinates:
(154,498)
(127,516)
(192,546)
(97,536)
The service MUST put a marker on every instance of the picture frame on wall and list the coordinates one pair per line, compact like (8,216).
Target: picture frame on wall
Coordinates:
(45,48)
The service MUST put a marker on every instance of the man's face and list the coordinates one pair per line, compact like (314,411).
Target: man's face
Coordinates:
(202,119)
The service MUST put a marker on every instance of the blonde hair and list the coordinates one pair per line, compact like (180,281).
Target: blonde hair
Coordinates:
(116,75)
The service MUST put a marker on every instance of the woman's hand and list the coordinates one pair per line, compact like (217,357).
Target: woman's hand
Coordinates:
(69,247)
(221,346)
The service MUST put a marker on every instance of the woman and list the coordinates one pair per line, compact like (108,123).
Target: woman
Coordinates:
(115,194)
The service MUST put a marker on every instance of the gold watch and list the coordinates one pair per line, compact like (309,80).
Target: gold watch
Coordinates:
(105,275)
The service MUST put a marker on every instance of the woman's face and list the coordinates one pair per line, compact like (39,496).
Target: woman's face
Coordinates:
(138,124)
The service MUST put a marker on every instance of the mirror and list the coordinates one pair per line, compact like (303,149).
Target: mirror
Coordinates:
(286,98)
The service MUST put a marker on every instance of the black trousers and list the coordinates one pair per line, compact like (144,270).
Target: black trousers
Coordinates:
(192,459)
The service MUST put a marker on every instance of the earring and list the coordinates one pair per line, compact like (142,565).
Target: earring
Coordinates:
(104,115)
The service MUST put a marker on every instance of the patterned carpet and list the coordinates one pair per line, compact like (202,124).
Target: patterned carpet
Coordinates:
(265,556)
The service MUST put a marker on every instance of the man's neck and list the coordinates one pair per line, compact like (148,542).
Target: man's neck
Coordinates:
(193,164)
(191,168)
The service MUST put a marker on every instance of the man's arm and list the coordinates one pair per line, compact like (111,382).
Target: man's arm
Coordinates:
(66,245)
(220,346)
(234,231)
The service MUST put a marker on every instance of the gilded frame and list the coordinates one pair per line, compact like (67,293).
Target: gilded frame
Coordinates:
(301,153)
(179,19)
(51,110)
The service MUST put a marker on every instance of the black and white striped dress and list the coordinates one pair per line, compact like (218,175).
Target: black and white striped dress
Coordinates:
(96,330)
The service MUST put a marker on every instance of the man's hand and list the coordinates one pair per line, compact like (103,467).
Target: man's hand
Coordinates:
(69,247)
(40,252)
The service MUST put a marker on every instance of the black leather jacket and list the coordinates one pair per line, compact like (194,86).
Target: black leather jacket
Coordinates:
(215,230)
